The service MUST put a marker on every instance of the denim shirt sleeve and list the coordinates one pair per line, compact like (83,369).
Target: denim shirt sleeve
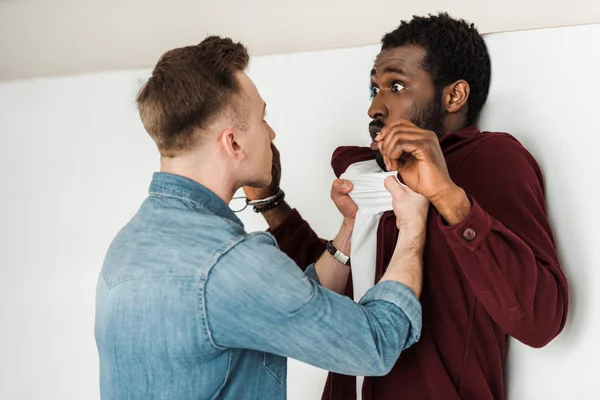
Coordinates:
(257,298)
(311,272)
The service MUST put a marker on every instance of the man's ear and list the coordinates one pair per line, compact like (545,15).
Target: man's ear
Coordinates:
(455,96)
(229,139)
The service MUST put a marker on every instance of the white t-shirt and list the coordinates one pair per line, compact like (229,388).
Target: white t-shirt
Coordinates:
(372,199)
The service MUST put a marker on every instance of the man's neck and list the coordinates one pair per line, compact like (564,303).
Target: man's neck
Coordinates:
(213,178)
(454,124)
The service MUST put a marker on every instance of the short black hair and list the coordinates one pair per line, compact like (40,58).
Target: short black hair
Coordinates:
(454,50)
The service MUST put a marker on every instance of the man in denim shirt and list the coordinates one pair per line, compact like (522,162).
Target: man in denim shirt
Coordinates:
(191,306)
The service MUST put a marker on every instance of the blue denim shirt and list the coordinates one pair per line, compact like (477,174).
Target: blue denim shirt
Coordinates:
(191,306)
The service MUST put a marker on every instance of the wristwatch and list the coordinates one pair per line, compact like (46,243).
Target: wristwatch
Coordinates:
(338,255)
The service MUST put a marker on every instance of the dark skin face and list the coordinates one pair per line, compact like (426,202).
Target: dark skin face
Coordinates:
(403,90)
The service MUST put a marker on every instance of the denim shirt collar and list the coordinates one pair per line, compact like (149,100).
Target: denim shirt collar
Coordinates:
(197,196)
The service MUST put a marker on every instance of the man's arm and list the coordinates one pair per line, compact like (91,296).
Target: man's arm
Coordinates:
(278,215)
(294,235)
(331,273)
(411,210)
(279,310)
(500,237)
(504,243)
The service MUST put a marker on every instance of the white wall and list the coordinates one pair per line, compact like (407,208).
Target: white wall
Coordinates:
(95,35)
(544,91)
(75,165)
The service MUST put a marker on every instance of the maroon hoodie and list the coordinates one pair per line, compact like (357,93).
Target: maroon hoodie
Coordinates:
(494,275)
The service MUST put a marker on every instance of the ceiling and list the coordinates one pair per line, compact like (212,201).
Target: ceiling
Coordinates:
(64,37)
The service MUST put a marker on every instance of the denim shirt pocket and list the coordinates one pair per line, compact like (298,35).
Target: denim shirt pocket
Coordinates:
(276,366)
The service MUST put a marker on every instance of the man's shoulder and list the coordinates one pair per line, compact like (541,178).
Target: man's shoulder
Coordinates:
(257,243)
(499,145)
(252,255)
(344,156)
(498,153)
(161,240)
(486,138)
(499,136)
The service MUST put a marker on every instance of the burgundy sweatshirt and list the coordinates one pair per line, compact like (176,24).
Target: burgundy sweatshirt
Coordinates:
(494,275)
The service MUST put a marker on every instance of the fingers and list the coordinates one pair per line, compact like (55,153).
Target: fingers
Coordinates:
(394,126)
(409,206)
(396,189)
(341,187)
(340,190)
(402,136)
(409,191)
(398,146)
(398,152)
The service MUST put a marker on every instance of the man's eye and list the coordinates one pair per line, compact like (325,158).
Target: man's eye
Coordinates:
(374,91)
(397,87)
